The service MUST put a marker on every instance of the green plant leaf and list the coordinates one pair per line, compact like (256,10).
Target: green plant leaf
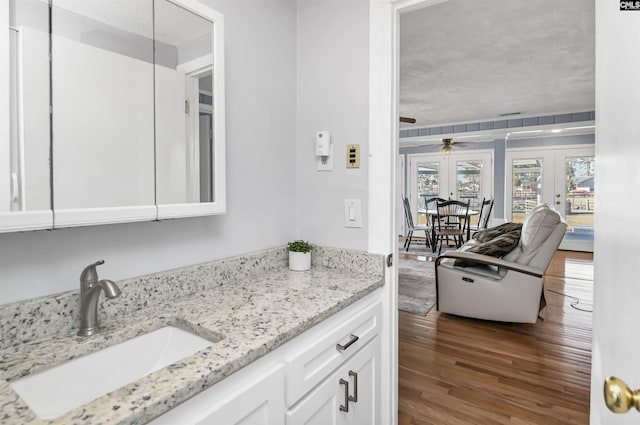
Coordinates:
(300,246)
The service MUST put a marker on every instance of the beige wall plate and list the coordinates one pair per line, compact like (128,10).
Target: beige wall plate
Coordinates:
(353,156)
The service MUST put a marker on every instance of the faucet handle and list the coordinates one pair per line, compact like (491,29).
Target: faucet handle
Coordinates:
(89,274)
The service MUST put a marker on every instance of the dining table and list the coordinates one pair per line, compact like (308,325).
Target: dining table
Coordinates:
(431,215)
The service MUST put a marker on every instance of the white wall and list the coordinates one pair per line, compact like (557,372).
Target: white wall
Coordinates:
(85,175)
(261,172)
(172,138)
(333,94)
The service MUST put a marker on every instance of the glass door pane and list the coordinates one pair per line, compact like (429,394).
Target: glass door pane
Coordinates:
(561,177)
(469,185)
(428,185)
(575,197)
(526,186)
(464,176)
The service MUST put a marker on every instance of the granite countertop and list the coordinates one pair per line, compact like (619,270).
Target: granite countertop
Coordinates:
(254,311)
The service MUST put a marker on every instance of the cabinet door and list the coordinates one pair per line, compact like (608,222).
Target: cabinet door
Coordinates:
(257,402)
(364,375)
(319,357)
(322,406)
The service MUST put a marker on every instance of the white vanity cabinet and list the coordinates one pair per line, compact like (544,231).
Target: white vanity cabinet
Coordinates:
(349,396)
(334,380)
(248,399)
(304,381)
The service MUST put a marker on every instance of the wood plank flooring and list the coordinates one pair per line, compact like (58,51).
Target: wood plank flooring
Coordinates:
(456,370)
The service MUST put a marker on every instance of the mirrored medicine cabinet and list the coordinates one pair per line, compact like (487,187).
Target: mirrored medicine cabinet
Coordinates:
(115,112)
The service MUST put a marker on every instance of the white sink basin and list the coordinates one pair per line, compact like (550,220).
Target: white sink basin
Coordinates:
(60,389)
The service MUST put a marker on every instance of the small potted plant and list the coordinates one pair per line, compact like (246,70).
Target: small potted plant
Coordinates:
(300,255)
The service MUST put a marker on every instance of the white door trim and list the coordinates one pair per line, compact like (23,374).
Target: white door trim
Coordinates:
(383,148)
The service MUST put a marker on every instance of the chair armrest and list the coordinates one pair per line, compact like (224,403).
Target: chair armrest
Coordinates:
(492,261)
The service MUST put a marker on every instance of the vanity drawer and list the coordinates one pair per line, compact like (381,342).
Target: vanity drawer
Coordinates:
(314,361)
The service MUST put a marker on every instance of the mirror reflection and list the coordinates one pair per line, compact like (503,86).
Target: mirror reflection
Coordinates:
(24,163)
(102,98)
(184,107)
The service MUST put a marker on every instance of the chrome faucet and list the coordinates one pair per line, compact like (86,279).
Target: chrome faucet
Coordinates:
(90,289)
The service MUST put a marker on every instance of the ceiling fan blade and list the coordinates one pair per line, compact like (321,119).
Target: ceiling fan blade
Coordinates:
(408,120)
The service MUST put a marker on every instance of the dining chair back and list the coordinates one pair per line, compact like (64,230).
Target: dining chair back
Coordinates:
(432,203)
(485,213)
(411,227)
(452,221)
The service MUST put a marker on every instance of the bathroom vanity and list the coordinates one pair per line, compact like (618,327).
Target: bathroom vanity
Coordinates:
(285,347)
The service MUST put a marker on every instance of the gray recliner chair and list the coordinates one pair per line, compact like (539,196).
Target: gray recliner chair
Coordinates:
(507,289)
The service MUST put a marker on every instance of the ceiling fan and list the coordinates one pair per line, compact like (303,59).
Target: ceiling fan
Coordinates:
(408,120)
(447,145)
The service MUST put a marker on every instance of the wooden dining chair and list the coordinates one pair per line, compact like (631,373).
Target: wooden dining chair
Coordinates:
(411,227)
(431,205)
(485,212)
(451,222)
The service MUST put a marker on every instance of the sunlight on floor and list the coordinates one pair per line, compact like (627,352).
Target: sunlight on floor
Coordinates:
(578,269)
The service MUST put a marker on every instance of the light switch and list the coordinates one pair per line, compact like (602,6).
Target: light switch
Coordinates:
(352,213)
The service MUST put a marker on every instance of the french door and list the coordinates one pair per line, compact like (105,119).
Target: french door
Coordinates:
(561,177)
(466,176)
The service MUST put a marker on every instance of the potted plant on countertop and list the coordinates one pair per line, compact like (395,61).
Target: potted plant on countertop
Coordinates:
(300,255)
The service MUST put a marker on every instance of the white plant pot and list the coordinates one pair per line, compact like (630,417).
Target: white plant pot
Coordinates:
(299,261)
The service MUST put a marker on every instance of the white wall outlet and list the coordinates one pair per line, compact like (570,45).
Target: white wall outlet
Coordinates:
(325,163)
(352,213)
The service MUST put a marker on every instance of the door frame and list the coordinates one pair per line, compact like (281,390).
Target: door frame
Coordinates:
(384,19)
(616,105)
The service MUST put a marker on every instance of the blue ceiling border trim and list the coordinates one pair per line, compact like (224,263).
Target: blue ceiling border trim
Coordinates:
(498,124)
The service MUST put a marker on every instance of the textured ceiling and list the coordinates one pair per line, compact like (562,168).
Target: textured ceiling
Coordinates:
(470,60)
(178,26)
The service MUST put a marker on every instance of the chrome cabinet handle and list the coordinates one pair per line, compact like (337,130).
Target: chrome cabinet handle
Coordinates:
(345,407)
(341,347)
(355,386)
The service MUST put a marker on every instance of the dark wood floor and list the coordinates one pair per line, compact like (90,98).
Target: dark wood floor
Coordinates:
(463,371)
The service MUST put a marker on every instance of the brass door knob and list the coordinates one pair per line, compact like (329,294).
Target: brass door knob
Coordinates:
(619,397)
(557,202)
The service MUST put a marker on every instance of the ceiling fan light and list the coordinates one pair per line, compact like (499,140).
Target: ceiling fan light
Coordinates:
(446,149)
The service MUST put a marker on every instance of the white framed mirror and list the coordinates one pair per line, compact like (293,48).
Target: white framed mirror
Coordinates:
(116,112)
(25,192)
(189,103)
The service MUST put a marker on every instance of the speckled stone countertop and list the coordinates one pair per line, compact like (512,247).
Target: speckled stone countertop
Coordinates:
(253,301)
